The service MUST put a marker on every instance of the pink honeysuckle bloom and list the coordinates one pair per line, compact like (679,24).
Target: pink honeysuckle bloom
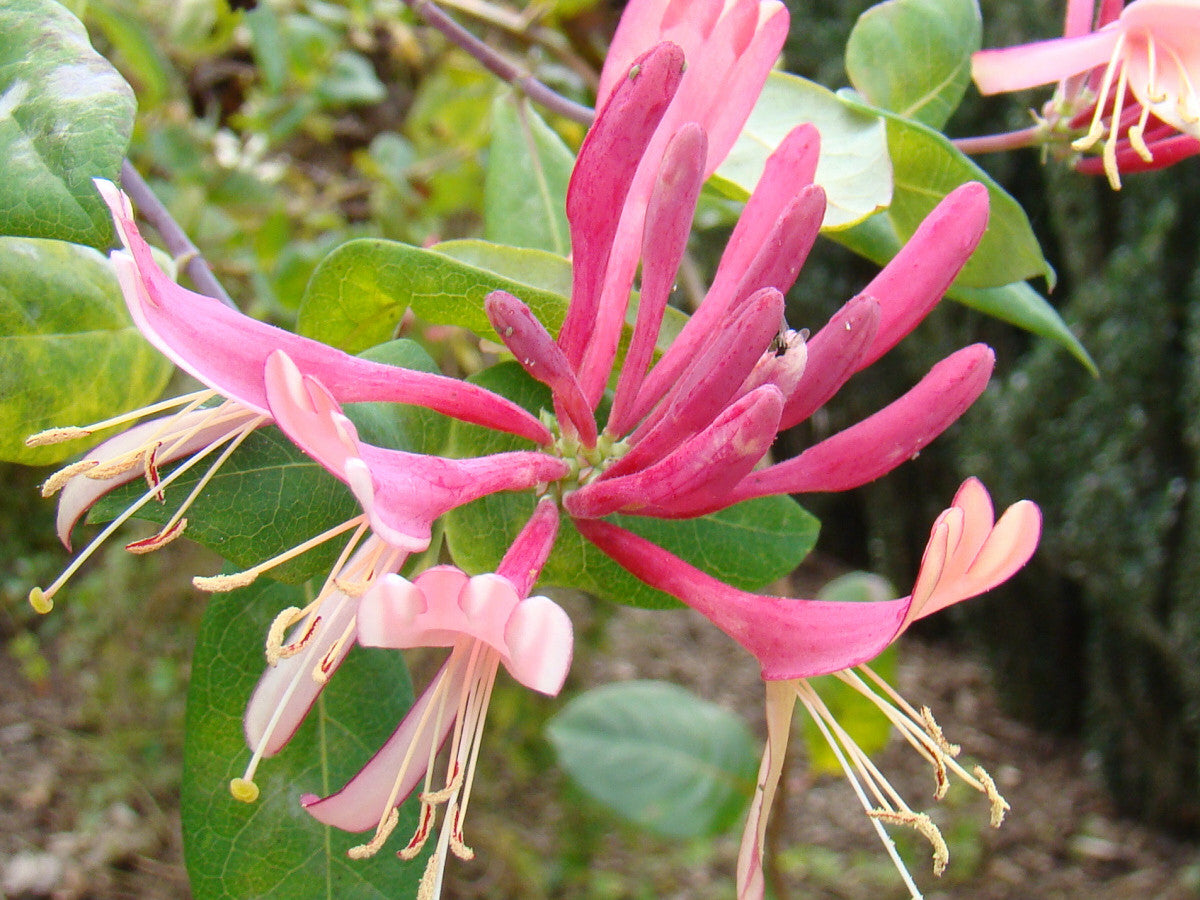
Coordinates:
(794,640)
(227,351)
(1132,80)
(486,621)
(730,46)
(401,493)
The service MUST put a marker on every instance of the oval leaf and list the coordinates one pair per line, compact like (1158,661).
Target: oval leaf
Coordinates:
(853,168)
(524,196)
(913,57)
(272,848)
(658,755)
(66,116)
(69,354)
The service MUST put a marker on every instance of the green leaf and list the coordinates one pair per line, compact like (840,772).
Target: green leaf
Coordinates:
(1018,304)
(359,292)
(855,713)
(926,167)
(658,755)
(748,545)
(271,848)
(66,116)
(69,354)
(269,497)
(528,170)
(913,57)
(853,168)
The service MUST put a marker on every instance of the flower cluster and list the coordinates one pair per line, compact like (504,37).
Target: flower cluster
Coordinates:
(686,434)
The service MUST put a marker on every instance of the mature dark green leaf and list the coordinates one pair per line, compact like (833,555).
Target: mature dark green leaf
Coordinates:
(271,848)
(69,354)
(914,56)
(658,755)
(855,713)
(269,497)
(1018,304)
(748,545)
(360,291)
(66,116)
(524,199)
(853,167)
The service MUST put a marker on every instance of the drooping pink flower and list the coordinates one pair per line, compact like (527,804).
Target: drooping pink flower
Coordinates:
(1131,81)
(228,352)
(486,621)
(794,640)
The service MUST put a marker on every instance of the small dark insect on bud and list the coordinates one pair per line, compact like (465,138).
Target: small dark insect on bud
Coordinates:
(235,5)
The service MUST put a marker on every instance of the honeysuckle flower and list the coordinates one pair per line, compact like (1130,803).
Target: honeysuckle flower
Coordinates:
(227,352)
(486,621)
(1132,80)
(968,553)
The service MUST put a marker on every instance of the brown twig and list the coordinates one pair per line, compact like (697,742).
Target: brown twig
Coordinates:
(499,66)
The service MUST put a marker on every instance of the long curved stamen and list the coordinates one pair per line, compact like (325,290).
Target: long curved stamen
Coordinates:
(71,432)
(41,599)
(1185,102)
(888,844)
(234,580)
(1096,128)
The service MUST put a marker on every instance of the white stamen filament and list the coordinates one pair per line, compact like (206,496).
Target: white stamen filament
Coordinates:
(57,435)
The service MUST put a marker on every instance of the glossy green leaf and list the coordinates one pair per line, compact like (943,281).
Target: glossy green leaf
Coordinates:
(272,848)
(1018,304)
(359,292)
(926,167)
(748,545)
(69,354)
(66,116)
(913,57)
(269,497)
(855,713)
(529,167)
(853,167)
(658,755)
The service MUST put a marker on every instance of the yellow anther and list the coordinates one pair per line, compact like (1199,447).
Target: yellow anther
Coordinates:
(243,790)
(998,804)
(117,466)
(59,479)
(215,584)
(40,602)
(55,436)
(156,541)
(373,846)
(282,622)
(429,878)
(923,825)
(934,730)
(451,788)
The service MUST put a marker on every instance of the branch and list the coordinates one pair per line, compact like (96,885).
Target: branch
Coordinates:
(499,66)
(176,241)
(995,143)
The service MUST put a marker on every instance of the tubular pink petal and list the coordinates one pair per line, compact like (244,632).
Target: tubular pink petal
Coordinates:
(786,246)
(879,443)
(698,473)
(834,354)
(1041,62)
(539,644)
(228,351)
(538,355)
(522,564)
(362,803)
(1079,17)
(790,638)
(668,225)
(604,171)
(708,385)
(1166,152)
(914,281)
(788,171)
